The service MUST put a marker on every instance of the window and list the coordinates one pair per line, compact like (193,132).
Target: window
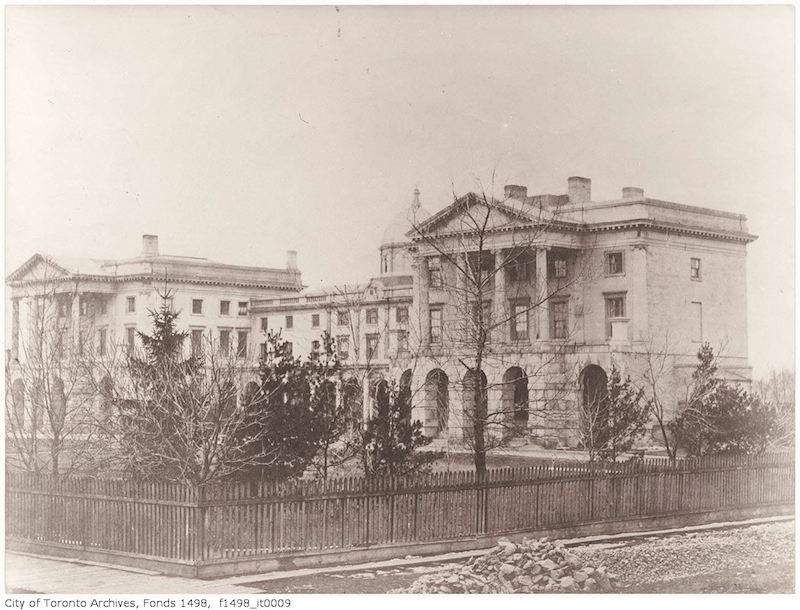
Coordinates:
(130,306)
(264,325)
(402,341)
(697,321)
(343,347)
(342,318)
(559,318)
(101,341)
(519,320)
(372,346)
(84,307)
(130,338)
(241,344)
(694,272)
(520,269)
(289,349)
(401,315)
(614,263)
(289,321)
(436,325)
(315,348)
(560,268)
(615,308)
(482,319)
(197,306)
(102,304)
(263,351)
(224,308)
(372,316)
(224,342)
(197,341)
(315,320)
(434,274)
(170,303)
(64,307)
(242,308)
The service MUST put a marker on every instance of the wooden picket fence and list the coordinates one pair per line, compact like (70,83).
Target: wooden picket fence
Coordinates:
(240,521)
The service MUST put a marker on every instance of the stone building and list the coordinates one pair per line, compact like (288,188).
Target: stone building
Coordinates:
(573,285)
(570,285)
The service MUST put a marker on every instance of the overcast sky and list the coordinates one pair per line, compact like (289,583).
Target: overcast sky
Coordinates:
(238,133)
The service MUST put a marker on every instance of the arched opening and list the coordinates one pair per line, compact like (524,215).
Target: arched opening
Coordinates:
(474,393)
(376,385)
(18,399)
(250,395)
(437,399)
(58,404)
(352,398)
(594,389)
(404,397)
(515,400)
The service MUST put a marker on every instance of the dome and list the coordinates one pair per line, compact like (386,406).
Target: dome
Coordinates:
(395,233)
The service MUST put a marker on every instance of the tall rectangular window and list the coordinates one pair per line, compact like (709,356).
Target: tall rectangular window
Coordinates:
(436,325)
(697,321)
(694,271)
(372,316)
(224,342)
(224,308)
(289,321)
(243,308)
(401,315)
(263,351)
(130,338)
(343,347)
(372,346)
(84,307)
(130,304)
(342,317)
(315,320)
(560,268)
(615,264)
(402,341)
(102,305)
(264,325)
(615,308)
(197,341)
(314,350)
(197,306)
(559,319)
(434,273)
(102,336)
(241,344)
(519,320)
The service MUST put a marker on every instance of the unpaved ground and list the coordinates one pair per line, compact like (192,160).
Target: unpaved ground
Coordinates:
(754,559)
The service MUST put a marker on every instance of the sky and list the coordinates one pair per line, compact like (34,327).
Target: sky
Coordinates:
(237,133)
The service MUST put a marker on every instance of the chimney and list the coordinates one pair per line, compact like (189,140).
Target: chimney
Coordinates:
(579,189)
(513,191)
(149,246)
(632,192)
(291,260)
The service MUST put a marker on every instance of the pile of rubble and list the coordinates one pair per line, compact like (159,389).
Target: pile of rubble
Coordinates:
(528,567)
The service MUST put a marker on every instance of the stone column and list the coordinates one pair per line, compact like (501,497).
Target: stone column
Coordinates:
(500,305)
(76,319)
(422,300)
(15,329)
(638,302)
(542,312)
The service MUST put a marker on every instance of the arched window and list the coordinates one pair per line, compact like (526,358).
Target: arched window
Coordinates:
(594,389)
(405,396)
(515,399)
(437,397)
(18,398)
(473,392)
(352,397)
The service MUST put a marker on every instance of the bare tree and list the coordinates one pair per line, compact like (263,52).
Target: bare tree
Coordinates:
(777,390)
(50,405)
(488,263)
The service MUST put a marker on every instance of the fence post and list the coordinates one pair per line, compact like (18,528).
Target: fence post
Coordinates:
(200,524)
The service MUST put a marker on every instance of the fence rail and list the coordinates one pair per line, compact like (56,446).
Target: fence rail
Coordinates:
(193,525)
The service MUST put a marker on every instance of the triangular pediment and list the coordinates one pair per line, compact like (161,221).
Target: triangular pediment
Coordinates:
(468,213)
(39,268)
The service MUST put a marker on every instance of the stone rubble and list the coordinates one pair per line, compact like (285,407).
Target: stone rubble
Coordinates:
(528,567)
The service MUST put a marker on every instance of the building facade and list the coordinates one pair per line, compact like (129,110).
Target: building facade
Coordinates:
(569,286)
(548,291)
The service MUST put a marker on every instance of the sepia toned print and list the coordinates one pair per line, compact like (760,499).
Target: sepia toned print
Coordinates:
(354,313)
